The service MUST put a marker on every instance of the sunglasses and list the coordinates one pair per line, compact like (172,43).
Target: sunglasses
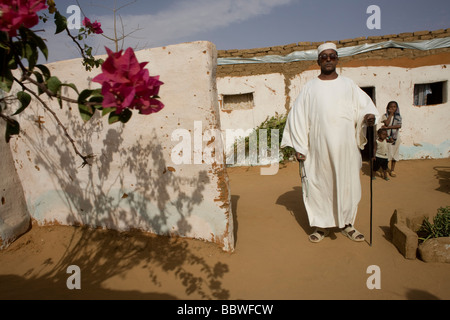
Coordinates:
(324,57)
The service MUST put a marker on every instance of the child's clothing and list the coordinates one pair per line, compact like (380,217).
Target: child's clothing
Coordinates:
(394,147)
(381,156)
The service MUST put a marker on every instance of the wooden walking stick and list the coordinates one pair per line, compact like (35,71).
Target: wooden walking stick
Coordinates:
(370,138)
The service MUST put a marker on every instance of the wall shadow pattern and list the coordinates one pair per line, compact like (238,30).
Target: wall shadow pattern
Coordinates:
(98,196)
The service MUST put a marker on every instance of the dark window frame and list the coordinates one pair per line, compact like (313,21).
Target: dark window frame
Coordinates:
(430,93)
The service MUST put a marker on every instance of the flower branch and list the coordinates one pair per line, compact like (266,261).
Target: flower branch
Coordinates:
(125,84)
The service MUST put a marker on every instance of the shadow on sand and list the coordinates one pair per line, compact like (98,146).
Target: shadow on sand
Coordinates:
(127,185)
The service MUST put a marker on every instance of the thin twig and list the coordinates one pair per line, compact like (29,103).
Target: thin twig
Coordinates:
(76,42)
(51,94)
(6,118)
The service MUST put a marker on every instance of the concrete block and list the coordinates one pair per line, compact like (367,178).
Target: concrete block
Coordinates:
(405,240)
(413,220)
(404,226)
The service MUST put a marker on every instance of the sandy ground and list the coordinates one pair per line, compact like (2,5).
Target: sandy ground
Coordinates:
(273,257)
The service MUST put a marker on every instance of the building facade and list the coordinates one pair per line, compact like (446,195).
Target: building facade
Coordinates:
(410,68)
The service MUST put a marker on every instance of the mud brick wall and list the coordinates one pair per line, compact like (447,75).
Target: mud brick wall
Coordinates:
(290,69)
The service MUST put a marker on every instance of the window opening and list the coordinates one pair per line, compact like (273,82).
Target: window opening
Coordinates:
(238,101)
(426,94)
(370,92)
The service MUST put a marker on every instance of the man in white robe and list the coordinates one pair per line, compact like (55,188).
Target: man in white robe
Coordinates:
(326,128)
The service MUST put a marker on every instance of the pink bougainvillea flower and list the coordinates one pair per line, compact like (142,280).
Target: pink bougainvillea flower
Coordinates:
(154,106)
(127,84)
(119,68)
(16,13)
(86,22)
(117,96)
(95,26)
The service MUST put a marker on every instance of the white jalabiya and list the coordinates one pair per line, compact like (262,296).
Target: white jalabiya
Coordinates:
(326,124)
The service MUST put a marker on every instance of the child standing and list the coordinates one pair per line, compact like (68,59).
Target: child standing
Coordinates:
(381,154)
(392,121)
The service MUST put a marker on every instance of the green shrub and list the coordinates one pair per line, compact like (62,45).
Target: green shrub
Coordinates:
(440,226)
(275,122)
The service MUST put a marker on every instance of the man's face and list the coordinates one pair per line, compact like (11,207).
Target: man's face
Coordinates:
(328,60)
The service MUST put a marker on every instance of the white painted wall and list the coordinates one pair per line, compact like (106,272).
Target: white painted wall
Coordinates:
(269,94)
(133,182)
(14,217)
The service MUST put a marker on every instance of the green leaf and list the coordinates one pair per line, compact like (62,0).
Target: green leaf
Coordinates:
(97,92)
(113,118)
(39,79)
(107,110)
(61,22)
(45,71)
(23,34)
(32,59)
(97,100)
(39,42)
(84,95)
(98,62)
(29,52)
(3,45)
(12,128)
(24,99)
(6,80)
(125,115)
(53,84)
(70,85)
(12,64)
(86,112)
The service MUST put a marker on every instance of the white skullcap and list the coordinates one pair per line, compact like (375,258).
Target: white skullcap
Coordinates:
(326,46)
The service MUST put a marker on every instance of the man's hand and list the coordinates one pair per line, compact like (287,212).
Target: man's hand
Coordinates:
(370,119)
(300,157)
